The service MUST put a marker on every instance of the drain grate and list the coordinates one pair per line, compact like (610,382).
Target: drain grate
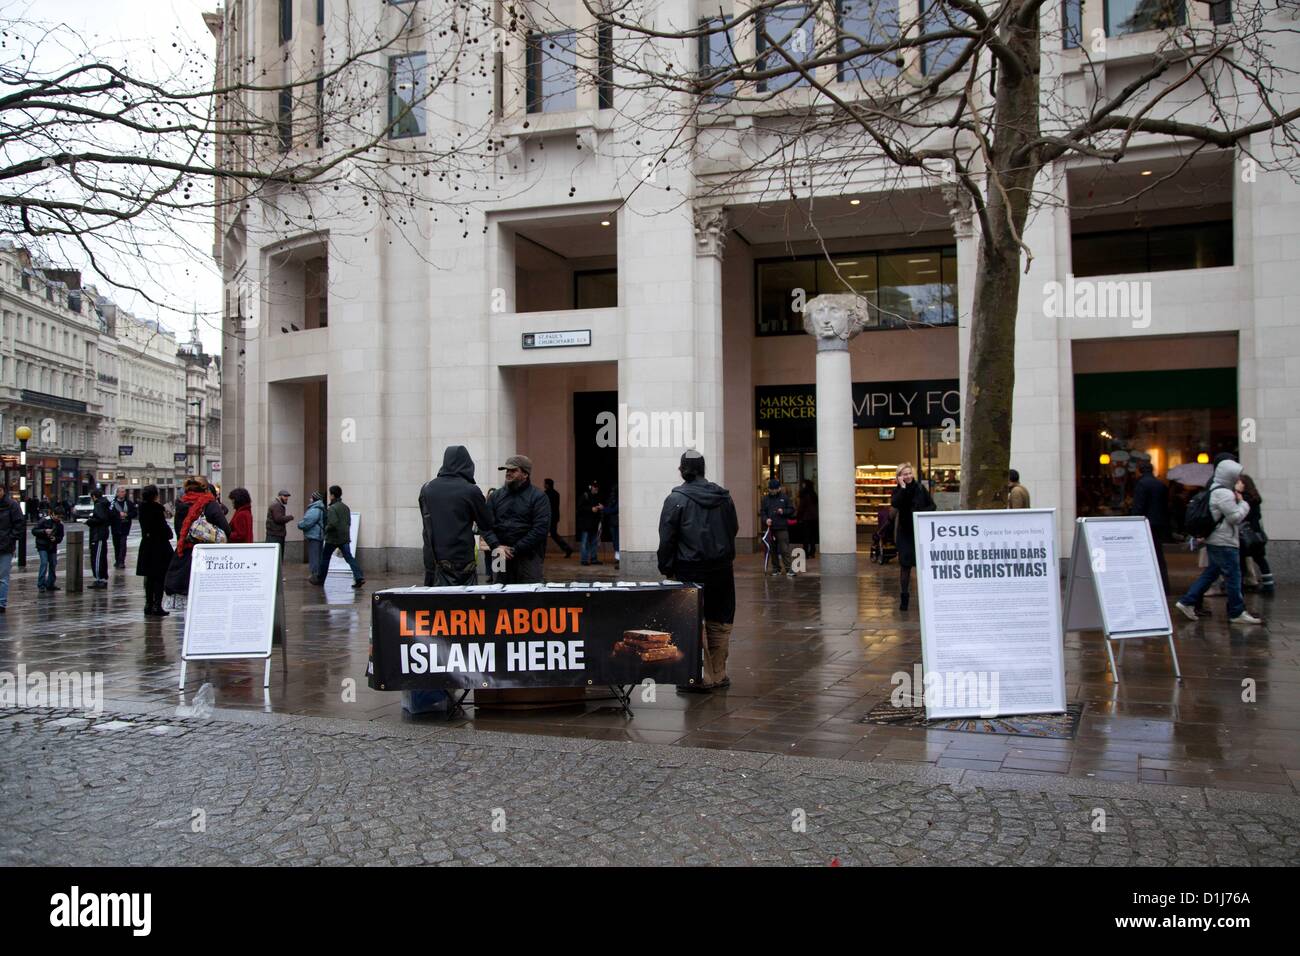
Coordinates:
(1051,726)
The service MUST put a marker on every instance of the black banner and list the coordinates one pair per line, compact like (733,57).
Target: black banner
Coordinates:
(520,636)
(923,403)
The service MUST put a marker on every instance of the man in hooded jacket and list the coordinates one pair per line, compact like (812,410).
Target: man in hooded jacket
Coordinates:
(697,545)
(451,505)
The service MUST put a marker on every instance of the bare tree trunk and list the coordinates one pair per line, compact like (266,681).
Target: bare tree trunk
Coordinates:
(986,417)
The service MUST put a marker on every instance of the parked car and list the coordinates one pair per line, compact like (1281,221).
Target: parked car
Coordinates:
(83,508)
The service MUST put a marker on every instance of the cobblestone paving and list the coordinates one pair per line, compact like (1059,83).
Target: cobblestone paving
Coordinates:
(125,788)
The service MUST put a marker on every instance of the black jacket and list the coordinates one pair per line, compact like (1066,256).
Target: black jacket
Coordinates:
(697,528)
(48,534)
(553,499)
(99,520)
(12,524)
(519,519)
(777,509)
(155,541)
(1151,501)
(584,519)
(907,501)
(123,516)
(450,505)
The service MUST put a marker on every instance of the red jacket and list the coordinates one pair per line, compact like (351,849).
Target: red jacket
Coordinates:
(241,525)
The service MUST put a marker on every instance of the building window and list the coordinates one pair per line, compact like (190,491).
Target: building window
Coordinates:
(1137,16)
(406,92)
(1203,245)
(284,120)
(938,17)
(717,55)
(605,66)
(791,29)
(286,20)
(320,112)
(320,13)
(903,289)
(1220,12)
(1071,24)
(552,67)
(867,23)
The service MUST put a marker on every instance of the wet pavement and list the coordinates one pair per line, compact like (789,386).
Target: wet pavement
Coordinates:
(257,789)
(810,657)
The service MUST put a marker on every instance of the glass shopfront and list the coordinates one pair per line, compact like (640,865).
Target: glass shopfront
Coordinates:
(894,422)
(1176,419)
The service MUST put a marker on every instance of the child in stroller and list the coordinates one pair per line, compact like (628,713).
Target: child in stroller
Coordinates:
(882,541)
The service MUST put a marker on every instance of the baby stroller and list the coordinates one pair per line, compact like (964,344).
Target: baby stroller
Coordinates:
(882,542)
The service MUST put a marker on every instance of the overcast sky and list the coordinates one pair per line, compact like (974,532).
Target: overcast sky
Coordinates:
(144,30)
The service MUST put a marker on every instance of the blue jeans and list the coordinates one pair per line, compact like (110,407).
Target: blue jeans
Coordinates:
(589,542)
(45,576)
(6,561)
(1223,561)
(344,549)
(313,553)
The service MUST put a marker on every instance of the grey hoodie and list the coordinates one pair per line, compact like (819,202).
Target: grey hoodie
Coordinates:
(1224,505)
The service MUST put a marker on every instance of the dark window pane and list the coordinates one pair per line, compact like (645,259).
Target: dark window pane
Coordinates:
(791,29)
(595,290)
(1220,12)
(553,72)
(1135,16)
(286,20)
(1071,23)
(937,17)
(717,55)
(605,66)
(284,120)
(777,282)
(910,290)
(1160,249)
(406,92)
(868,22)
(851,273)
(949,277)
(320,111)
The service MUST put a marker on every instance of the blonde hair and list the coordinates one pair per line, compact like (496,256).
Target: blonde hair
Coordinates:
(906,464)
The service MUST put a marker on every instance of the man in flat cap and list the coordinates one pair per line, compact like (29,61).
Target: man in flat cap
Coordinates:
(697,545)
(519,521)
(277,517)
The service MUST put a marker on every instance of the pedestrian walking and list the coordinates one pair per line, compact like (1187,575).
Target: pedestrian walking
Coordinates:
(277,517)
(775,513)
(587,522)
(553,497)
(99,521)
(241,522)
(518,518)
(1254,542)
(312,527)
(156,553)
(48,533)
(451,506)
(338,537)
(1151,501)
(697,545)
(12,523)
(1017,494)
(907,499)
(199,519)
(806,517)
(122,512)
(1228,509)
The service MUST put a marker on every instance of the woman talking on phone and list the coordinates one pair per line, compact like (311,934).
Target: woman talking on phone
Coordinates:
(908,498)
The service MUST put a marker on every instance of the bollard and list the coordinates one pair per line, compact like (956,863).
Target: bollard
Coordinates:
(74,546)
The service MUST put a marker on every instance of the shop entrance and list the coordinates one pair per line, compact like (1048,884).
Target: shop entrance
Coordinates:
(591,459)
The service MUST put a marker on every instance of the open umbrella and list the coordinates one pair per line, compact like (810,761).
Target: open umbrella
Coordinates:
(1192,473)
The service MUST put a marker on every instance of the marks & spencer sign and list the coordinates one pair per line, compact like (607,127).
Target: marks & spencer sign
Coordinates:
(923,403)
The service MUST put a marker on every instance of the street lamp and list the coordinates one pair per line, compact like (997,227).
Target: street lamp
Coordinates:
(23,434)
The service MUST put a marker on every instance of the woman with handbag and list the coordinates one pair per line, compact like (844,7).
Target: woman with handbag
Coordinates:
(155,555)
(200,519)
(1253,539)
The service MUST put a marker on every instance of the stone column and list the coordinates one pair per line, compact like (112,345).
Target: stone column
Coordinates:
(833,320)
(707,430)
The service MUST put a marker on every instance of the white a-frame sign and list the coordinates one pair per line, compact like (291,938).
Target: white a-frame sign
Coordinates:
(1115,584)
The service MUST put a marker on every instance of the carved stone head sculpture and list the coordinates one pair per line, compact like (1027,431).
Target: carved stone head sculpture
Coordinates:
(834,319)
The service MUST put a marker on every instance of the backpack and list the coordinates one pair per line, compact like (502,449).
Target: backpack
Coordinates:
(1199,521)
